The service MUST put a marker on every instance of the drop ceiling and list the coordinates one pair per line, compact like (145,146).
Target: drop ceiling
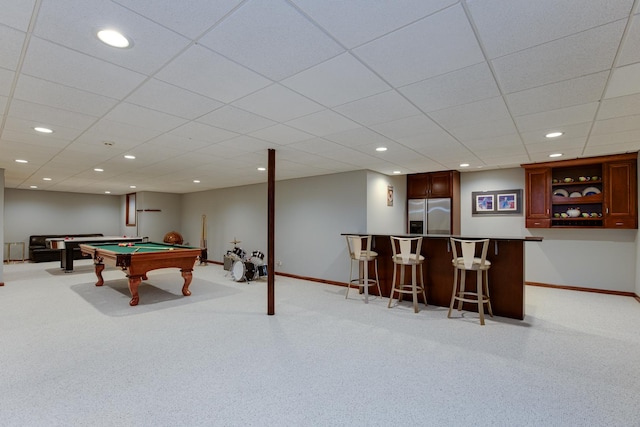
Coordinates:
(207,87)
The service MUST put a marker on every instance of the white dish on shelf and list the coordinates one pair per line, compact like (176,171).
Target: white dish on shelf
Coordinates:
(575,194)
(590,191)
(560,192)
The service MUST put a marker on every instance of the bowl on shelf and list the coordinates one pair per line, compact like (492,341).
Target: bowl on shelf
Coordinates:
(574,212)
(584,178)
(568,180)
(575,194)
(590,191)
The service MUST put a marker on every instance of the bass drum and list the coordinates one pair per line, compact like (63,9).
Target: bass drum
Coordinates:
(244,270)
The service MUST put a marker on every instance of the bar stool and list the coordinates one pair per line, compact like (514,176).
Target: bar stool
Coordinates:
(406,252)
(469,262)
(360,251)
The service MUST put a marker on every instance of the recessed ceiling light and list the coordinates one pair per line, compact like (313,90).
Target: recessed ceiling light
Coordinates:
(554,134)
(98,170)
(113,38)
(107,192)
(261,169)
(132,186)
(555,155)
(129,156)
(21,161)
(33,186)
(397,172)
(464,165)
(381,149)
(196,181)
(46,179)
(42,130)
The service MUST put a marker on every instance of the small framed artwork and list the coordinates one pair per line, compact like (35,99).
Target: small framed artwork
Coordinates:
(498,202)
(390,195)
(484,202)
(507,202)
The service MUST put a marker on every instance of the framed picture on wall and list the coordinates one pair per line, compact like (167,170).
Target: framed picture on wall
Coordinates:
(130,214)
(484,202)
(390,195)
(497,202)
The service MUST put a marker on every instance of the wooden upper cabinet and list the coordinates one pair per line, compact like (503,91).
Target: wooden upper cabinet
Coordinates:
(430,185)
(596,192)
(537,202)
(621,201)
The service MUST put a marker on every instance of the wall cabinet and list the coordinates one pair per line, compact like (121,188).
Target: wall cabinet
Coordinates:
(598,192)
(431,185)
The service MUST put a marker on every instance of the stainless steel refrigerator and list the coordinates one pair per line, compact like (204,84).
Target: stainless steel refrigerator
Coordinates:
(429,216)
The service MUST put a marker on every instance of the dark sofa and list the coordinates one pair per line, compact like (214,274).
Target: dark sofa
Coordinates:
(40,252)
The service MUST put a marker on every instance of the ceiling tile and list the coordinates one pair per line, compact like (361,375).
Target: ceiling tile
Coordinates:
(458,87)
(58,64)
(624,81)
(322,123)
(143,117)
(435,45)
(630,51)
(278,103)
(74,24)
(381,108)
(357,21)
(477,112)
(202,132)
(622,106)
(556,119)
(6,81)
(486,129)
(207,73)
(281,134)
(191,18)
(618,124)
(271,38)
(161,96)
(17,14)
(11,47)
(578,130)
(357,137)
(553,96)
(407,127)
(235,120)
(337,81)
(531,23)
(67,98)
(567,58)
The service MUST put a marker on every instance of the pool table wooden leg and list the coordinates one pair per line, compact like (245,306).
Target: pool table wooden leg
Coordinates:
(133,288)
(99,268)
(187,275)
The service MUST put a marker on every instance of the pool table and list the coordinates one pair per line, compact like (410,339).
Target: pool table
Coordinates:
(136,259)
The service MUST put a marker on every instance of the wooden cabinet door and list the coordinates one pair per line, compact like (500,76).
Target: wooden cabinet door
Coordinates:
(440,184)
(537,204)
(429,185)
(417,186)
(621,195)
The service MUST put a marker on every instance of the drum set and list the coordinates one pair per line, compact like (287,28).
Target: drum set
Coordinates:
(243,268)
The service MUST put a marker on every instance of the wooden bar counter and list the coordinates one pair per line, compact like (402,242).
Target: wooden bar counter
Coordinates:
(506,275)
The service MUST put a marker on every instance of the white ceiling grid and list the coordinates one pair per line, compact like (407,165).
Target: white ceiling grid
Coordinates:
(209,86)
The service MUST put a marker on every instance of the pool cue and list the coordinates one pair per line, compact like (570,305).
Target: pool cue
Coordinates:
(203,241)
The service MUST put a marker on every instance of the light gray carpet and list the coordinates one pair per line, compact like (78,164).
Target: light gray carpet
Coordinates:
(70,357)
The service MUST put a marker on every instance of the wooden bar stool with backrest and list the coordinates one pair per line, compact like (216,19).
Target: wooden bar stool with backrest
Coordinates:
(406,252)
(360,251)
(464,259)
